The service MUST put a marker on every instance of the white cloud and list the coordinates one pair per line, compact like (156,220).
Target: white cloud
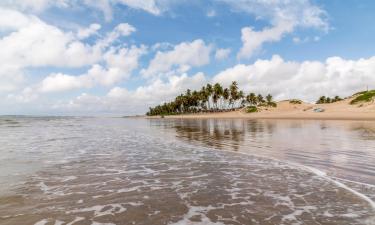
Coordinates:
(102,5)
(306,80)
(13,20)
(122,101)
(284,17)
(32,43)
(119,65)
(222,53)
(150,6)
(61,82)
(36,44)
(301,13)
(253,40)
(183,56)
(105,6)
(89,31)
(26,96)
(34,5)
(298,40)
(122,29)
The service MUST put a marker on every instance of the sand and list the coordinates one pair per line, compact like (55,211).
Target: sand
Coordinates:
(341,110)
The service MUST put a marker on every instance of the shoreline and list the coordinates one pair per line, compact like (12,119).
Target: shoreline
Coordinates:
(241,115)
(285,110)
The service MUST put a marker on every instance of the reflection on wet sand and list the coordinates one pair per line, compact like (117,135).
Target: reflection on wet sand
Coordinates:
(342,148)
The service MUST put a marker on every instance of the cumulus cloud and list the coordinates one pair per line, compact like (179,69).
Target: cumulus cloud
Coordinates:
(26,96)
(32,43)
(34,5)
(306,80)
(122,101)
(284,17)
(119,65)
(253,40)
(222,53)
(122,29)
(89,31)
(182,57)
(155,7)
(35,43)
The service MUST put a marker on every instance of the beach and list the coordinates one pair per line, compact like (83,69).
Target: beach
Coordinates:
(341,110)
(73,170)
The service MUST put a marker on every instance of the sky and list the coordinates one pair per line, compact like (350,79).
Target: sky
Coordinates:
(119,57)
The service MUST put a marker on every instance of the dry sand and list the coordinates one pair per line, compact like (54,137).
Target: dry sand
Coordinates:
(341,110)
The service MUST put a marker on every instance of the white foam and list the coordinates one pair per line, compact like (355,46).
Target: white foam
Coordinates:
(96,223)
(59,222)
(68,178)
(298,212)
(341,185)
(44,187)
(76,220)
(42,222)
(314,171)
(124,190)
(194,211)
(98,210)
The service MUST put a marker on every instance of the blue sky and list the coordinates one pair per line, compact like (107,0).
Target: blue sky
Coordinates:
(121,56)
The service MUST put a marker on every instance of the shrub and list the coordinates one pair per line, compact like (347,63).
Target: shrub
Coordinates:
(325,100)
(295,101)
(251,109)
(272,104)
(366,96)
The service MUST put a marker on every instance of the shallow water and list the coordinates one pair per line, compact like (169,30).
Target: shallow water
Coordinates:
(66,170)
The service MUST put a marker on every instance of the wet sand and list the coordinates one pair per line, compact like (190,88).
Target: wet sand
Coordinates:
(119,171)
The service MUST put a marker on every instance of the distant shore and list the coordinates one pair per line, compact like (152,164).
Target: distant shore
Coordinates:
(285,110)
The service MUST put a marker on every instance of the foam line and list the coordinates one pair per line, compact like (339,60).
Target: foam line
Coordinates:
(309,169)
(341,185)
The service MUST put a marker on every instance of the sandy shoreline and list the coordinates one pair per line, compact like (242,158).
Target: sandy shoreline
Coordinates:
(334,111)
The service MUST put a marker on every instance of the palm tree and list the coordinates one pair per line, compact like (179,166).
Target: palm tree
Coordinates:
(260,99)
(321,100)
(203,97)
(233,88)
(337,98)
(241,97)
(227,98)
(226,94)
(252,99)
(209,91)
(269,99)
(217,93)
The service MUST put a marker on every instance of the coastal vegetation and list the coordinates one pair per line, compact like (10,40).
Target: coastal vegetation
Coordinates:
(295,101)
(212,98)
(251,109)
(364,96)
(325,100)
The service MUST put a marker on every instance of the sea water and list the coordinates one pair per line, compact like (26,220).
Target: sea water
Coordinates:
(82,170)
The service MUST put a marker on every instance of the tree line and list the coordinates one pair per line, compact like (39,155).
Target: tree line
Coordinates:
(324,99)
(211,98)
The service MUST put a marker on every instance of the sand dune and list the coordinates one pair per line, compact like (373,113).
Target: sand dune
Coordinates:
(341,110)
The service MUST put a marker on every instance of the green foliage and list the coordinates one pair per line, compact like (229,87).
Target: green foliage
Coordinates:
(211,98)
(251,109)
(365,96)
(295,101)
(272,104)
(324,100)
